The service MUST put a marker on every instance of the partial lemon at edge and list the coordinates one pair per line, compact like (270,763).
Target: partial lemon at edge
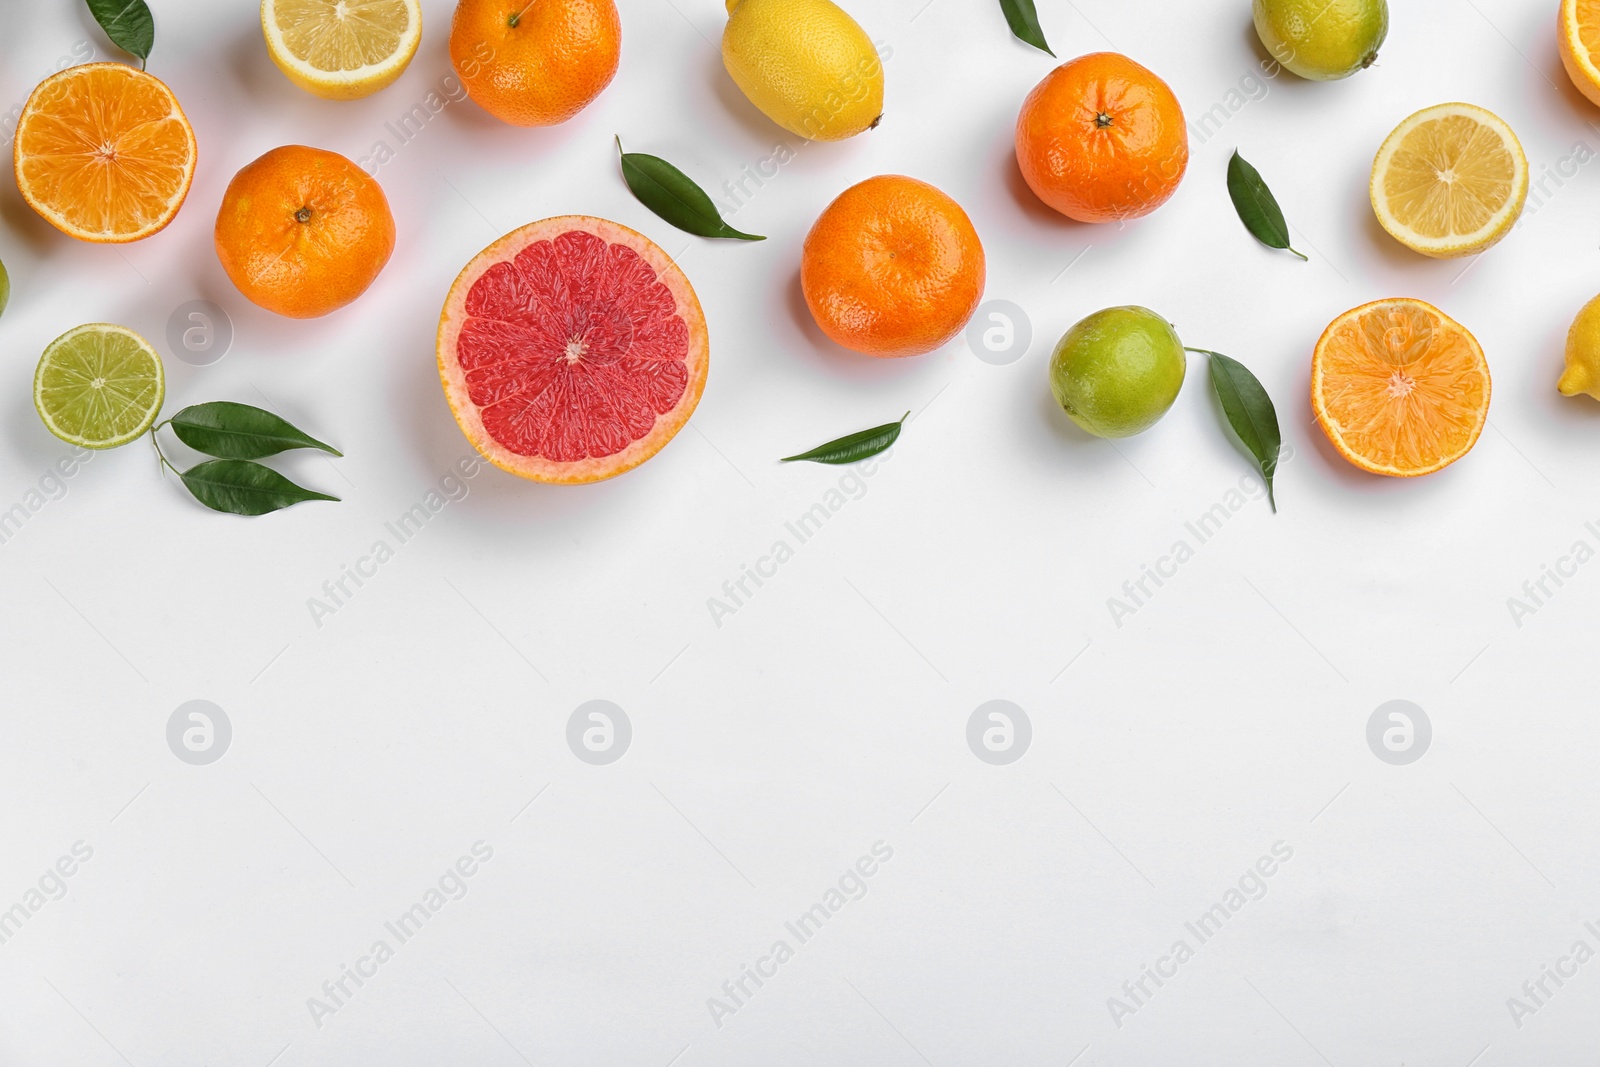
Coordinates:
(342,49)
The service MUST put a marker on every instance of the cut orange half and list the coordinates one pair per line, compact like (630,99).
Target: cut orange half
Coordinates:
(1399,387)
(1579,40)
(572,350)
(104,153)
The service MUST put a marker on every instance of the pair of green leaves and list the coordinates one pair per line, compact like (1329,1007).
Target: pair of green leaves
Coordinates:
(129,25)
(1258,209)
(1250,412)
(674,196)
(238,435)
(1023,19)
(854,447)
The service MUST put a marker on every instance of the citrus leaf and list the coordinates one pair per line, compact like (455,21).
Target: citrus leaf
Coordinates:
(854,447)
(1257,207)
(239,431)
(1250,413)
(674,196)
(128,23)
(240,487)
(1024,22)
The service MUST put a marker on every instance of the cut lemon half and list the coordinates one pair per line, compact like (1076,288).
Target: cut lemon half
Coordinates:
(1399,387)
(1579,39)
(1450,181)
(342,49)
(99,386)
(104,153)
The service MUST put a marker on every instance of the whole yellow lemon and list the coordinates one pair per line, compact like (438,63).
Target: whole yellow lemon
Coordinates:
(806,64)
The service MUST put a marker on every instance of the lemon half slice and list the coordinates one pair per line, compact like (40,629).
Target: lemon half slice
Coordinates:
(342,49)
(1450,180)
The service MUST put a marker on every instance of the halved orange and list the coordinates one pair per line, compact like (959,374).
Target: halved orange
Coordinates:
(104,153)
(1399,387)
(1579,40)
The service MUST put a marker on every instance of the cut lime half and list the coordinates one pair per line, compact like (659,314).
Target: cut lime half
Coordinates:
(99,386)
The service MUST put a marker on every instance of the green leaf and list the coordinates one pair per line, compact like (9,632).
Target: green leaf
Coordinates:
(240,487)
(128,23)
(1250,413)
(674,196)
(1257,207)
(1024,22)
(239,431)
(854,447)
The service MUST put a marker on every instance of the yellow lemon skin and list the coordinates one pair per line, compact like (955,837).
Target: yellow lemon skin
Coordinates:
(806,64)
(1583,353)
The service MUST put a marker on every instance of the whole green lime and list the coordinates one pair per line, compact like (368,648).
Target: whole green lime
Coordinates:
(1323,40)
(1118,371)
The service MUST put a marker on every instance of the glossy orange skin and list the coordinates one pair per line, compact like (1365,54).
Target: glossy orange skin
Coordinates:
(535,62)
(1102,139)
(303,232)
(892,268)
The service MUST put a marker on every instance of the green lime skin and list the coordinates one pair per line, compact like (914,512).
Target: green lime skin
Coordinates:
(5,288)
(1118,371)
(1323,40)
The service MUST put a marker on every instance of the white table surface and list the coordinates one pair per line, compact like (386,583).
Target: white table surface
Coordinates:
(770,752)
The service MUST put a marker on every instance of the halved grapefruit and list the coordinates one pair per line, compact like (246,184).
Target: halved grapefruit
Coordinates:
(572,350)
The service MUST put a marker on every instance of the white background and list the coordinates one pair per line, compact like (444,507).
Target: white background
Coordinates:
(830,712)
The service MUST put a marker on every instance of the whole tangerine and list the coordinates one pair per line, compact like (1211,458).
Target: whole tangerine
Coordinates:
(893,267)
(1101,139)
(303,232)
(535,62)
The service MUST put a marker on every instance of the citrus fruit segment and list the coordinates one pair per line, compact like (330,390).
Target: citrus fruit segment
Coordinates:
(893,267)
(572,350)
(1399,387)
(104,153)
(99,386)
(1450,180)
(1579,40)
(342,49)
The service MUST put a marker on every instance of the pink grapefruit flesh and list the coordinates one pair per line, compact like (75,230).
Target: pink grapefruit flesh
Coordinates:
(572,350)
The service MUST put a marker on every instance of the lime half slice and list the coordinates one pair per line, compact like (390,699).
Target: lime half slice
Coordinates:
(99,386)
